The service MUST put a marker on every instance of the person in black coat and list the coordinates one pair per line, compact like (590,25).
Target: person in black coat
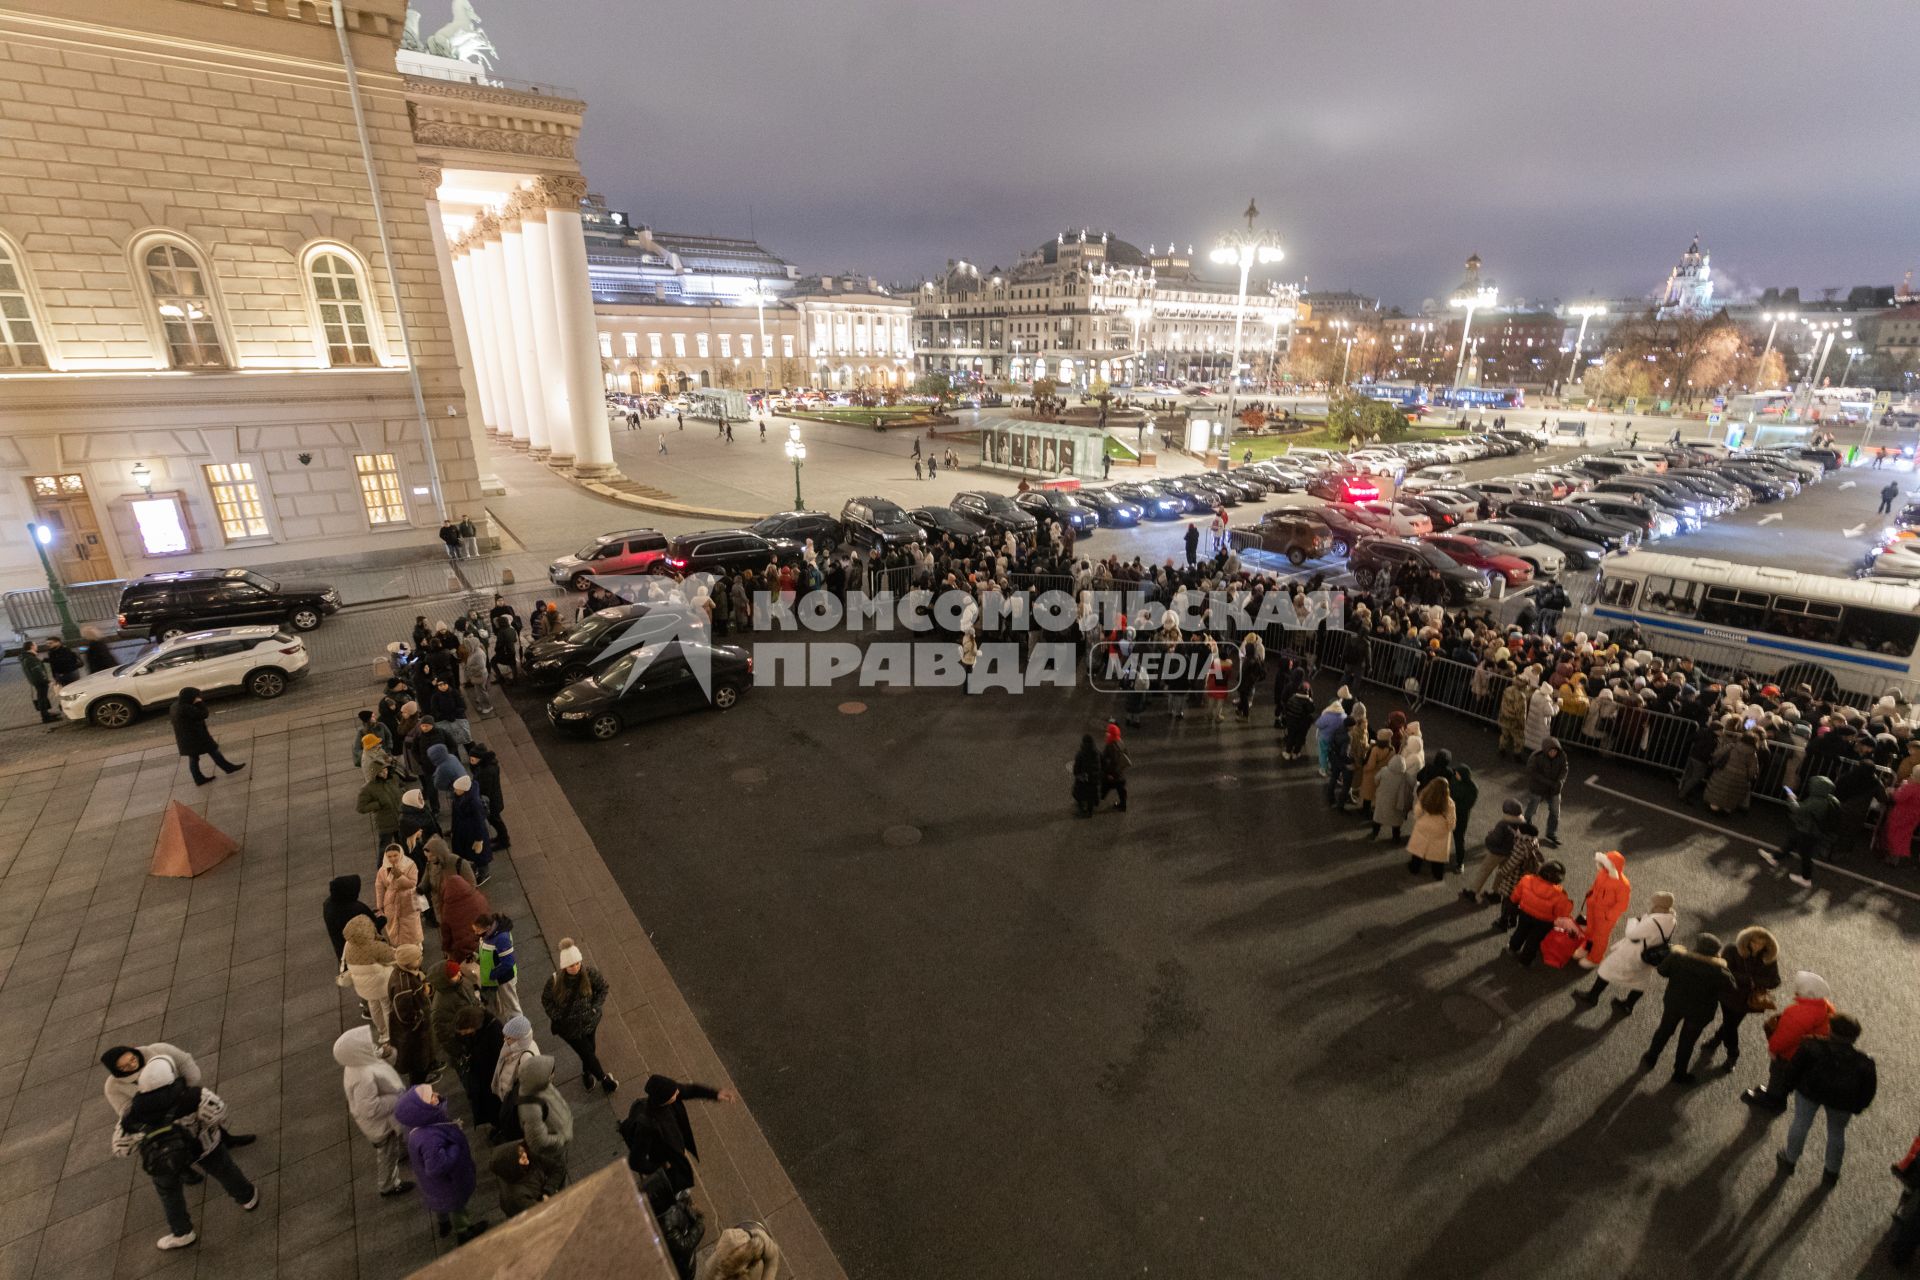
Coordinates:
(1828,1073)
(61,661)
(343,904)
(100,656)
(484,765)
(192,737)
(659,1135)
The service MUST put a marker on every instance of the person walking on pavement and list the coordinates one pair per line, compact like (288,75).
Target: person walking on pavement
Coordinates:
(99,654)
(1605,903)
(373,1087)
(1546,778)
(1887,495)
(193,739)
(1086,777)
(1697,982)
(469,537)
(658,1133)
(573,1000)
(1806,1018)
(40,679)
(1193,544)
(175,1125)
(1830,1075)
(1114,763)
(1752,958)
(1813,823)
(485,766)
(1631,964)
(468,826)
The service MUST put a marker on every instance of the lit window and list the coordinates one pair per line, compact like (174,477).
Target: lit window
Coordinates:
(178,285)
(162,526)
(343,311)
(633,344)
(680,345)
(786,345)
(726,346)
(380,487)
(746,345)
(19,341)
(700,341)
(653,345)
(236,500)
(606,346)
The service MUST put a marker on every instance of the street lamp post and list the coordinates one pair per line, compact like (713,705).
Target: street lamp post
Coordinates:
(759,295)
(1773,319)
(42,535)
(1244,248)
(1484,296)
(796,454)
(1346,341)
(1586,312)
(1853,353)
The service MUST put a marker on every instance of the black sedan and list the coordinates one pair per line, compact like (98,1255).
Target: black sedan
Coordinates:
(1209,494)
(798,526)
(945,521)
(1115,511)
(994,510)
(1051,505)
(1153,504)
(571,656)
(653,680)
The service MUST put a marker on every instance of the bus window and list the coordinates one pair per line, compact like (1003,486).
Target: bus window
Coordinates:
(1618,592)
(1893,634)
(1726,607)
(1804,620)
(1672,596)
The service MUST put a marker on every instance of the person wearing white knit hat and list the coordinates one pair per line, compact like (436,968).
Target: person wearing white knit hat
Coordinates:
(573,999)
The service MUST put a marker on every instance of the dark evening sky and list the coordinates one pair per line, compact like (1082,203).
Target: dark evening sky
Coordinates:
(1575,146)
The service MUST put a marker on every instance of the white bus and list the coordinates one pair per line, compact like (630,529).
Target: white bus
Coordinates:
(1854,404)
(1864,635)
(1758,406)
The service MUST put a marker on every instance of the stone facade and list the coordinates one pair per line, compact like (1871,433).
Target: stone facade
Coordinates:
(228,133)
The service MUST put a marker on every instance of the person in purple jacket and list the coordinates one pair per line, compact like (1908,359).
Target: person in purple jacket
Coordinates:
(442,1161)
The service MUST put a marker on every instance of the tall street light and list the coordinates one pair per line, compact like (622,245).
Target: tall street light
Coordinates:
(1245,248)
(1823,331)
(758,292)
(1853,353)
(1773,319)
(41,535)
(1347,341)
(796,454)
(1484,296)
(1586,312)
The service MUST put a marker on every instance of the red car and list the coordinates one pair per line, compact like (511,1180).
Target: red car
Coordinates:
(1475,554)
(1347,486)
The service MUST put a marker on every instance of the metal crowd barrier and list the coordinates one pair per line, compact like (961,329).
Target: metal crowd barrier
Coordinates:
(31,609)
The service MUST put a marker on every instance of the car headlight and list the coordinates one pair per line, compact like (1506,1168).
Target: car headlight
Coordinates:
(71,697)
(573,715)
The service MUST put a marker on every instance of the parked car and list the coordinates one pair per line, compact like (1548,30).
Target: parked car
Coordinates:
(653,680)
(1054,505)
(878,523)
(1389,555)
(571,655)
(1641,513)
(1548,562)
(995,511)
(1114,511)
(1344,532)
(1579,553)
(1443,515)
(1400,518)
(1203,495)
(261,661)
(799,526)
(171,604)
(1153,504)
(1293,534)
(718,550)
(1489,559)
(1344,486)
(1434,477)
(1279,477)
(1576,521)
(628,551)
(946,522)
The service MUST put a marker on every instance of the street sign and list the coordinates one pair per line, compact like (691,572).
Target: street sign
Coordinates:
(1713,419)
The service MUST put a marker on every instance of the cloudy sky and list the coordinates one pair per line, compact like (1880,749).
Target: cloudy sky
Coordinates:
(1575,146)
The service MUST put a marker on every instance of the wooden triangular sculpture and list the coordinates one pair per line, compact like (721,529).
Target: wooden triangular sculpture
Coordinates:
(189,844)
(597,1229)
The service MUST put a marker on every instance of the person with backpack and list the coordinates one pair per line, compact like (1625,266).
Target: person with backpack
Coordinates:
(1830,1075)
(1808,1017)
(1631,963)
(1697,982)
(175,1125)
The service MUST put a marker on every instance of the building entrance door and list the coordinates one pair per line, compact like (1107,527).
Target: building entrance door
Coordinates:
(77,549)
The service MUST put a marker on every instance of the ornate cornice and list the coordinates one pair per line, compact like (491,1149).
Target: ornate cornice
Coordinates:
(486,227)
(428,87)
(473,137)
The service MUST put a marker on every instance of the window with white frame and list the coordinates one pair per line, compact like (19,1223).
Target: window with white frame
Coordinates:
(606,346)
(633,344)
(786,345)
(236,500)
(680,345)
(746,345)
(700,341)
(341,299)
(20,346)
(653,345)
(726,346)
(183,298)
(380,493)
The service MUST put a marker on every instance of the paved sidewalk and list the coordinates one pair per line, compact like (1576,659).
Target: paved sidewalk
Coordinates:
(235,967)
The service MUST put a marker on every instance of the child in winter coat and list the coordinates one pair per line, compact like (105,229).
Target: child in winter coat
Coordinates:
(1540,901)
(442,1161)
(373,1088)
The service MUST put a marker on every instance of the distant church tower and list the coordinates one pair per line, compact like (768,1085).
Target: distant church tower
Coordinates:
(1689,285)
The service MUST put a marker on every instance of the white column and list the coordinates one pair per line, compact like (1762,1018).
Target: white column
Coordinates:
(520,330)
(579,339)
(491,262)
(479,338)
(544,316)
(470,385)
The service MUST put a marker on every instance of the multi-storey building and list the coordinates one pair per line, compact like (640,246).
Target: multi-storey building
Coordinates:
(1091,306)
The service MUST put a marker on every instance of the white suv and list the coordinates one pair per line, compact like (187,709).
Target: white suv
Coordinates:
(260,660)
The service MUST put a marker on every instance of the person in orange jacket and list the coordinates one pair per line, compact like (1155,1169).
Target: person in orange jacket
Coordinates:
(1606,902)
(1541,901)
(1807,1016)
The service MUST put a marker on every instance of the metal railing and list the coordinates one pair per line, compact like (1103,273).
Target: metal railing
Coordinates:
(31,609)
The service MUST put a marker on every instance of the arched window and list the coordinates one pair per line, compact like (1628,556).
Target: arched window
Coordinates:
(184,300)
(341,298)
(20,346)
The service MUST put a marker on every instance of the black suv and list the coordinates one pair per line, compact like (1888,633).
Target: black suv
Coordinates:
(171,604)
(798,526)
(1048,505)
(720,550)
(876,522)
(994,510)
(1376,556)
(571,656)
(1576,522)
